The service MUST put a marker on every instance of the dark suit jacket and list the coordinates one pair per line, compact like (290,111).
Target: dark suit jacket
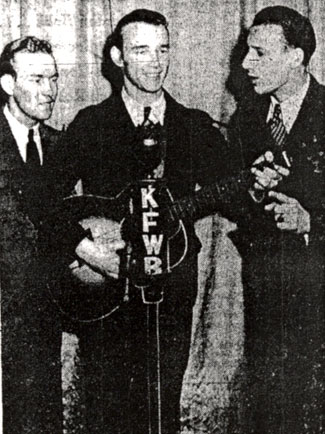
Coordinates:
(101,147)
(31,334)
(283,278)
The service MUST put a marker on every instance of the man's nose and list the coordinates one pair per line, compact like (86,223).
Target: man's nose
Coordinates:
(249,60)
(155,58)
(49,88)
(246,62)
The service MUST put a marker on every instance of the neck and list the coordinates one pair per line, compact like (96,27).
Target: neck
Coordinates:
(142,97)
(292,86)
(20,115)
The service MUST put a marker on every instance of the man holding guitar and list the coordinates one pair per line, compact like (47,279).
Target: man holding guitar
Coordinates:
(139,136)
(140,133)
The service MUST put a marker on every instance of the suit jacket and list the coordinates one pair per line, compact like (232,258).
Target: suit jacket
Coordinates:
(31,334)
(101,147)
(304,146)
(283,277)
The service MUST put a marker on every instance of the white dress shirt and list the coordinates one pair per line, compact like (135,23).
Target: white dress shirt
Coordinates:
(290,107)
(136,110)
(20,133)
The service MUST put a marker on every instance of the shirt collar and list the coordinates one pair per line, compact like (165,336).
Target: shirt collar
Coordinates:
(136,110)
(291,106)
(20,133)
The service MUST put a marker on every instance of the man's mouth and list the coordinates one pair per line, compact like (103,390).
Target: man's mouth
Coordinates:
(47,102)
(253,78)
(153,74)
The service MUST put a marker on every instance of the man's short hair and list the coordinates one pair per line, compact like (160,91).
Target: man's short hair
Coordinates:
(29,44)
(297,29)
(137,16)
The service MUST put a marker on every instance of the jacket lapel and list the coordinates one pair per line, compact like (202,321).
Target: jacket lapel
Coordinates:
(307,125)
(10,156)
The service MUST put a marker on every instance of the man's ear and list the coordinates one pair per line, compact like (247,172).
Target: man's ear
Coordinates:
(7,82)
(116,56)
(298,56)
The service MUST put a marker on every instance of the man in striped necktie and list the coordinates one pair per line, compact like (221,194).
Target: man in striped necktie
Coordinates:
(281,239)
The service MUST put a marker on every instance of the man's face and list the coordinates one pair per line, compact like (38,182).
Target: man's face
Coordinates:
(268,59)
(145,56)
(35,86)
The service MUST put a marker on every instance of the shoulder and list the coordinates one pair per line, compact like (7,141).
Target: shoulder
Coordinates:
(316,96)
(187,113)
(197,123)
(96,112)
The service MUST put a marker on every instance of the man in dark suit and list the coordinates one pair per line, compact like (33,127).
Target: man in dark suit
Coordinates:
(110,151)
(31,335)
(281,233)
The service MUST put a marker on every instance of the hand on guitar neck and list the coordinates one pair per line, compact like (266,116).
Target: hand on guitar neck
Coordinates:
(99,258)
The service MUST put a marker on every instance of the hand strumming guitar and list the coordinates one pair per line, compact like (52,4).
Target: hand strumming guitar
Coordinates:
(99,258)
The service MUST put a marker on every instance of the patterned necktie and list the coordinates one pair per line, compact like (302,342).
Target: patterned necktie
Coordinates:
(277,128)
(32,155)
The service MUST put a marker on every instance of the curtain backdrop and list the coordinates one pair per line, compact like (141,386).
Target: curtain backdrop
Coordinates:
(203,35)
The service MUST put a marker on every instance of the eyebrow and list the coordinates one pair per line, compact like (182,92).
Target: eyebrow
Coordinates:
(42,75)
(147,46)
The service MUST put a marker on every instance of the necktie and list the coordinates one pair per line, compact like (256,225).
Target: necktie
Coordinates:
(149,149)
(146,114)
(32,155)
(277,128)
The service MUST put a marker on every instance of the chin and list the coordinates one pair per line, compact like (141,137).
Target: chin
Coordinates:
(44,116)
(260,90)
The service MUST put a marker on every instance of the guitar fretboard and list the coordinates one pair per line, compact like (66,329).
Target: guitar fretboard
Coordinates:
(210,196)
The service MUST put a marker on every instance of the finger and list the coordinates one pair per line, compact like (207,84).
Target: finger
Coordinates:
(257,186)
(267,181)
(271,173)
(281,197)
(279,218)
(285,226)
(282,170)
(256,172)
(269,157)
(259,160)
(74,264)
(270,206)
(115,245)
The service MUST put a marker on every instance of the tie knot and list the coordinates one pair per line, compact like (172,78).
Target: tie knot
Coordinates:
(146,114)
(277,113)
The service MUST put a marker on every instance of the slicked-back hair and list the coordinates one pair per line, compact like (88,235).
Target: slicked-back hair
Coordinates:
(29,44)
(297,29)
(137,16)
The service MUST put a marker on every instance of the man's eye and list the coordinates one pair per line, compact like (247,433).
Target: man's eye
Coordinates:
(259,53)
(140,51)
(164,50)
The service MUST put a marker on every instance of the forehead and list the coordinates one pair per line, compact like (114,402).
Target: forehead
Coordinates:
(38,63)
(144,34)
(266,36)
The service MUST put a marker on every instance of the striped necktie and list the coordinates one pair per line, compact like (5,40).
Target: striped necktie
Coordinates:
(277,128)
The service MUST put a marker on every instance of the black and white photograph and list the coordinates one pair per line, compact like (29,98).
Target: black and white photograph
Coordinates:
(162,216)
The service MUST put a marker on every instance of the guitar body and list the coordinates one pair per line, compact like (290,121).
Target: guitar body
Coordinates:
(155,244)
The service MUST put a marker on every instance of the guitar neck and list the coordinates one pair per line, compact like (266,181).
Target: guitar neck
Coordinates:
(210,197)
